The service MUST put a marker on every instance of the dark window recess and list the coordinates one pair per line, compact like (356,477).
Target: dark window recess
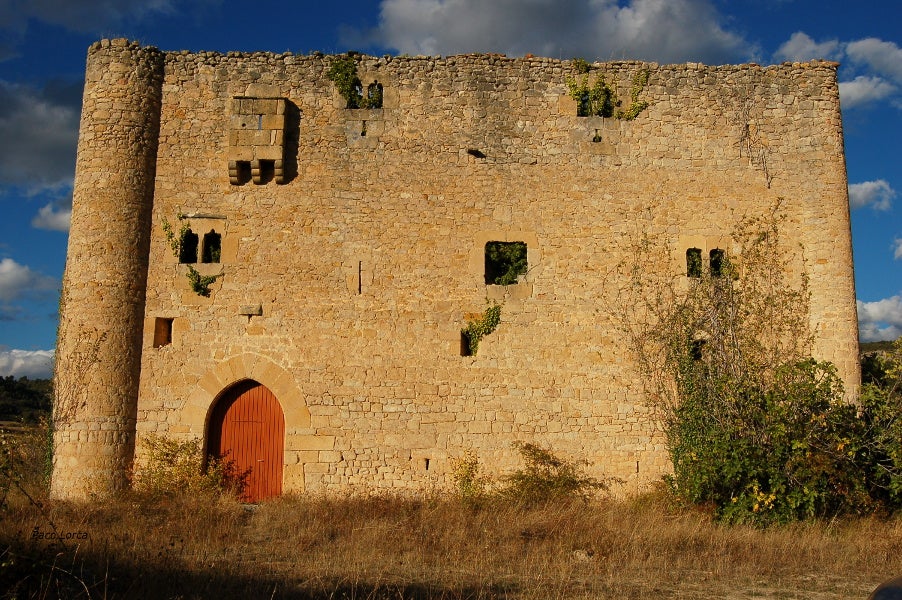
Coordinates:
(212,247)
(697,349)
(465,345)
(188,247)
(694,262)
(504,262)
(716,258)
(162,332)
(584,105)
(374,95)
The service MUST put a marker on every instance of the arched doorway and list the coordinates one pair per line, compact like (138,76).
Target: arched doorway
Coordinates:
(247,427)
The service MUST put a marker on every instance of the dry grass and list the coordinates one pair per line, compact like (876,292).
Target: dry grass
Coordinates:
(379,547)
(392,548)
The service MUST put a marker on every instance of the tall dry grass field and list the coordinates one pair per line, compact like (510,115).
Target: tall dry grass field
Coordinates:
(379,547)
(382,547)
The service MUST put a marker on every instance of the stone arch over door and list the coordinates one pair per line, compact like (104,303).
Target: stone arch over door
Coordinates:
(247,427)
(302,444)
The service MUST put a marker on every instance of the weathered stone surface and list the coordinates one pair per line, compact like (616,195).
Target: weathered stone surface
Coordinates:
(367,252)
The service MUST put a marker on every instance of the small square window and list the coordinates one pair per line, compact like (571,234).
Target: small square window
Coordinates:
(504,262)
(162,332)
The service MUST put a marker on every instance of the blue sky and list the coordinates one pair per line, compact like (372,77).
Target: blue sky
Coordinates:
(42,53)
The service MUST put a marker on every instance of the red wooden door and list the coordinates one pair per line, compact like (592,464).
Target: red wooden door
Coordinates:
(247,427)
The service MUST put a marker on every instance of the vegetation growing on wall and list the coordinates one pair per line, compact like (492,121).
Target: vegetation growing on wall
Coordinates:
(480,327)
(343,73)
(600,99)
(200,284)
(755,427)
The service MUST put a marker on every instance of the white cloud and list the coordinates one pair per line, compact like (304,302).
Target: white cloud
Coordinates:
(882,57)
(864,89)
(17,281)
(800,47)
(34,364)
(660,30)
(877,194)
(880,320)
(39,129)
(54,216)
(897,248)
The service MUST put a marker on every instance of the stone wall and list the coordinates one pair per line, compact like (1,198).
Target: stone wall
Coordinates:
(344,289)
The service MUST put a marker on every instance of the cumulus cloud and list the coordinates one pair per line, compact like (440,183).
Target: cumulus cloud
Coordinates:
(39,129)
(800,47)
(877,194)
(864,89)
(897,248)
(882,57)
(54,216)
(878,63)
(18,281)
(34,364)
(880,320)
(660,30)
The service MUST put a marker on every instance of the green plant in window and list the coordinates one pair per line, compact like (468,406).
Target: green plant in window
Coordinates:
(600,99)
(199,283)
(343,73)
(504,262)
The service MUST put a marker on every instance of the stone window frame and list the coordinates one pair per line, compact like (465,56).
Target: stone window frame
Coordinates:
(524,287)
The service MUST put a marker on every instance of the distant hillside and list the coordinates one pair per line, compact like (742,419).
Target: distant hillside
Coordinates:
(875,346)
(25,399)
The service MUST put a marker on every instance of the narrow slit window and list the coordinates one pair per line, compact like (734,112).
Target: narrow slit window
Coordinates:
(716,258)
(465,349)
(694,262)
(188,247)
(505,262)
(162,332)
(212,247)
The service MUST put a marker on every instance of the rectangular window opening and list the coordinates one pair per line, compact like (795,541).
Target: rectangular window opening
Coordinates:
(211,249)
(505,262)
(162,332)
(694,262)
(716,258)
(465,349)
(697,350)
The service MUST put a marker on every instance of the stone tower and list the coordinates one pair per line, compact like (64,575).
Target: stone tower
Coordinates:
(102,307)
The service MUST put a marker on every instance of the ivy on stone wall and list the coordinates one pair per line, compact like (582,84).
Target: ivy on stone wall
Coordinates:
(600,99)
(478,328)
(200,284)
(343,73)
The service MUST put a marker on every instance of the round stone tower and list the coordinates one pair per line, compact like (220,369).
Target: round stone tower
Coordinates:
(98,352)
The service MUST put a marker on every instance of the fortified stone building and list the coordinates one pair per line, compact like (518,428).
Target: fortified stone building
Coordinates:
(254,264)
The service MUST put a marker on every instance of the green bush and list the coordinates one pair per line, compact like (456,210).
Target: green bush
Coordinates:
(548,478)
(545,478)
(762,454)
(757,429)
